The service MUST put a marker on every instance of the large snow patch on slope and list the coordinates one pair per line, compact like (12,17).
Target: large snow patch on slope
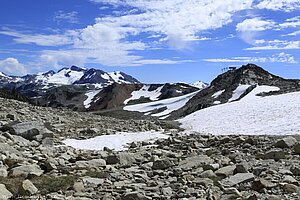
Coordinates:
(170,104)
(117,142)
(252,115)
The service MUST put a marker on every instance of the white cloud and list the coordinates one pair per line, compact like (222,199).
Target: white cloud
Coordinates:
(70,17)
(282,5)
(275,45)
(291,23)
(255,24)
(110,40)
(293,33)
(38,39)
(179,21)
(277,58)
(12,66)
(249,28)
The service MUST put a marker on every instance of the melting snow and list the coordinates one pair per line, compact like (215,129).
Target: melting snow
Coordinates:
(117,141)
(252,115)
(90,96)
(237,93)
(171,105)
(144,92)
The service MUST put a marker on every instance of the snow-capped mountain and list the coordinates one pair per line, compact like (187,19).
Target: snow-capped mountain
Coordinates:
(90,89)
(76,75)
(200,84)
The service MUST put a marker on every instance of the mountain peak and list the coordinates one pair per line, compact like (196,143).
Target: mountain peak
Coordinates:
(78,69)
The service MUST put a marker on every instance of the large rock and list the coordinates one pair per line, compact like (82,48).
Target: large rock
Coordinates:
(28,130)
(275,154)
(94,163)
(134,196)
(286,142)
(195,162)
(25,170)
(4,193)
(162,164)
(237,179)
(122,158)
(28,188)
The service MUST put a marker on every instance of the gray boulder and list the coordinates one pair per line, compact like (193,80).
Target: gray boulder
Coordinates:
(134,196)
(25,170)
(286,142)
(237,179)
(162,164)
(4,193)
(28,188)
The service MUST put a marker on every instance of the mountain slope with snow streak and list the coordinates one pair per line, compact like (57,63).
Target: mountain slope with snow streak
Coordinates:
(169,105)
(252,115)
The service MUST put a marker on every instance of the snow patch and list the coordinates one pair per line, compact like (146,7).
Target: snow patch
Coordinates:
(90,96)
(170,104)
(217,94)
(144,92)
(252,115)
(117,142)
(238,92)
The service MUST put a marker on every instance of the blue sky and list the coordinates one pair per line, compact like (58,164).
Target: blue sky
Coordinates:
(154,40)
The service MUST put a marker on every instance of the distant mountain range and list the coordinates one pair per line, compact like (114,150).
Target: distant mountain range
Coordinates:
(90,89)
(94,90)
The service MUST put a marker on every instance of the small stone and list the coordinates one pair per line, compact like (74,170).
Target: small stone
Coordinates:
(167,191)
(290,179)
(10,116)
(295,170)
(259,185)
(207,174)
(78,186)
(242,167)
(92,181)
(286,142)
(225,171)
(3,172)
(291,188)
(297,148)
(233,191)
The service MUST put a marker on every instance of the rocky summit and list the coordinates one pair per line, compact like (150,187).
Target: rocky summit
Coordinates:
(34,164)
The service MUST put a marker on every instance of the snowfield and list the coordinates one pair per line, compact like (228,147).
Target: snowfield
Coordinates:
(144,92)
(90,96)
(238,92)
(117,142)
(171,105)
(252,115)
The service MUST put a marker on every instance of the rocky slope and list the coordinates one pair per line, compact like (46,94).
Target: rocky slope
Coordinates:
(233,86)
(34,164)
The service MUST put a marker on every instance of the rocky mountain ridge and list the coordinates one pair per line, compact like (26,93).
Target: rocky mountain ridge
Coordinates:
(233,85)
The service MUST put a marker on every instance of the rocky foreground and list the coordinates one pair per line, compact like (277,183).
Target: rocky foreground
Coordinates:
(34,164)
